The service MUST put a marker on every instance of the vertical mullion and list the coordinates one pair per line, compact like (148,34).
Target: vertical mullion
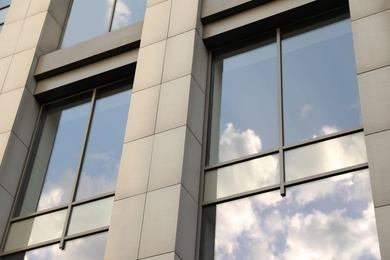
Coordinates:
(112,15)
(78,172)
(280,116)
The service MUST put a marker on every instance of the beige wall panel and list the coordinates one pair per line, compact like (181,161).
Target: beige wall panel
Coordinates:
(183,16)
(362,8)
(9,37)
(9,104)
(374,91)
(142,114)
(371,37)
(19,70)
(149,66)
(4,67)
(156,23)
(160,222)
(134,169)
(125,228)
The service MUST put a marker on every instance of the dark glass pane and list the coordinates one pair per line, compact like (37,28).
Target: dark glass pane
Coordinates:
(128,12)
(88,19)
(105,142)
(320,92)
(328,219)
(241,177)
(85,248)
(57,157)
(35,230)
(325,156)
(245,104)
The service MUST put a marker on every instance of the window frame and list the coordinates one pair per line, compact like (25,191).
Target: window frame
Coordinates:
(204,230)
(108,29)
(126,84)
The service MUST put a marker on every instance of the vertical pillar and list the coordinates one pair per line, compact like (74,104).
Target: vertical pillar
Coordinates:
(371,34)
(32,28)
(158,184)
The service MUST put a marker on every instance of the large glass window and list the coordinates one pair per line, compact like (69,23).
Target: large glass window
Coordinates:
(91,18)
(68,191)
(286,173)
(4,6)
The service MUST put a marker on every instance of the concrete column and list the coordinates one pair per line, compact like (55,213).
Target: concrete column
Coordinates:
(32,28)
(371,34)
(158,184)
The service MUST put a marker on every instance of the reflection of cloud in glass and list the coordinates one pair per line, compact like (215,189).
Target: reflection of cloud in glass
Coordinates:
(122,14)
(235,144)
(55,192)
(325,156)
(86,248)
(103,179)
(305,110)
(336,222)
(248,176)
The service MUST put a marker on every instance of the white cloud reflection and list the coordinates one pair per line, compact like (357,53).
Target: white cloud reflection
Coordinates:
(305,111)
(122,15)
(330,225)
(234,144)
(328,219)
(86,248)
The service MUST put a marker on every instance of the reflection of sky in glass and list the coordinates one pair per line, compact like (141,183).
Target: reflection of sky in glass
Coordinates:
(328,219)
(241,177)
(4,3)
(105,142)
(87,19)
(128,12)
(3,14)
(248,99)
(36,230)
(85,248)
(62,169)
(91,216)
(325,156)
(319,81)
(91,18)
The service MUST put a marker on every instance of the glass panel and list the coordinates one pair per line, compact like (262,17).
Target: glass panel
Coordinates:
(35,230)
(91,216)
(242,177)
(325,156)
(105,142)
(320,91)
(87,19)
(128,12)
(5,3)
(85,248)
(3,14)
(52,174)
(245,105)
(328,219)
(1,27)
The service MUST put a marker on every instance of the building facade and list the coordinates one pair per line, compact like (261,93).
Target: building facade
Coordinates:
(189,129)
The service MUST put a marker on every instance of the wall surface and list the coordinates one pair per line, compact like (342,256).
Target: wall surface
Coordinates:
(159,191)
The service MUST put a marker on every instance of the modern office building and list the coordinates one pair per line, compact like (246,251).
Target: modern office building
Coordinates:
(194,129)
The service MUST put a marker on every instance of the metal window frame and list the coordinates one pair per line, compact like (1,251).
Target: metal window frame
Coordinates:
(282,148)
(72,203)
(215,55)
